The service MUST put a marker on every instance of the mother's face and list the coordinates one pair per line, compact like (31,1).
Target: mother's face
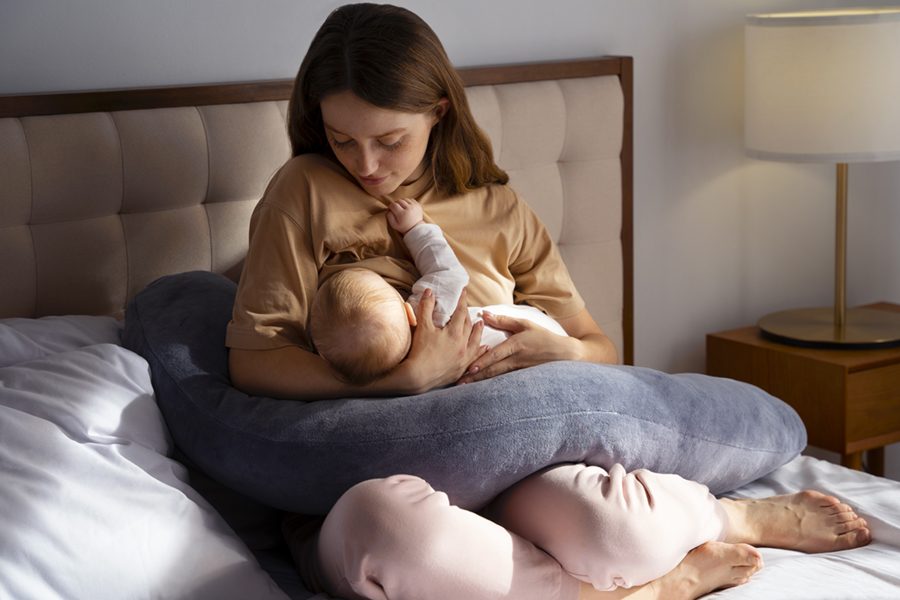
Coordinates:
(381,148)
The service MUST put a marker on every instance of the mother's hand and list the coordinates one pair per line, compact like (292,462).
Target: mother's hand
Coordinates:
(530,344)
(439,355)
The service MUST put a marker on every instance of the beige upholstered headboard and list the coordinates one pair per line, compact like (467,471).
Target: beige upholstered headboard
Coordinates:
(103,192)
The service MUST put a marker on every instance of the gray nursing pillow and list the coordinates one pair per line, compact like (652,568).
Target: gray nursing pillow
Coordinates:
(469,441)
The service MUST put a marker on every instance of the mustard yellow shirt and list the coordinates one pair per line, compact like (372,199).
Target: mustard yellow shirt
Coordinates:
(314,220)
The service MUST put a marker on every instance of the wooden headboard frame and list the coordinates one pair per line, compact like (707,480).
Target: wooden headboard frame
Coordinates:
(279,90)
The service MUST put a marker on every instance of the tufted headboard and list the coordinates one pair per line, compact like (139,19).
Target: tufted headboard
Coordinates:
(103,192)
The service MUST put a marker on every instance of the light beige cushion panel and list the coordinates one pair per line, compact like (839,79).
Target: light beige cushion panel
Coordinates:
(541,186)
(15,175)
(18,284)
(165,158)
(17,272)
(595,109)
(282,108)
(485,107)
(76,167)
(590,263)
(247,144)
(533,124)
(593,204)
(81,266)
(163,242)
(228,232)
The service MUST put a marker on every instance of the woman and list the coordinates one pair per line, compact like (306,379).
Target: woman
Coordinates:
(378,114)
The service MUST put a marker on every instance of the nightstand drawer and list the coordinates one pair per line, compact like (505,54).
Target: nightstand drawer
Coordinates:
(873,408)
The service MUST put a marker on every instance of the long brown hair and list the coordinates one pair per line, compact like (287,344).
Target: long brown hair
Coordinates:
(392,59)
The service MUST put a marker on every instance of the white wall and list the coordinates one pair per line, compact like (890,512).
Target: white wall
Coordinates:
(719,239)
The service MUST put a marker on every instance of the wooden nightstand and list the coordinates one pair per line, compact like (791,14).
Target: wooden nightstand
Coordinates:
(848,399)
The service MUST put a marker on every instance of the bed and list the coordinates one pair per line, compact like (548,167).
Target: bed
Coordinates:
(106,192)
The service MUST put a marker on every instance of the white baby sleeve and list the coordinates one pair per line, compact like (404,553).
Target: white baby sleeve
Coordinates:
(440,270)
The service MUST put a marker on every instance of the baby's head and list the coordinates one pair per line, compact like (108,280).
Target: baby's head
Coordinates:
(360,325)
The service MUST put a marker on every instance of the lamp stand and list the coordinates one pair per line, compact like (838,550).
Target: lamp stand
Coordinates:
(837,327)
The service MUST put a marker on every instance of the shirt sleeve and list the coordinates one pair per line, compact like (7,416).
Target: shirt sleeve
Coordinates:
(439,268)
(278,282)
(542,279)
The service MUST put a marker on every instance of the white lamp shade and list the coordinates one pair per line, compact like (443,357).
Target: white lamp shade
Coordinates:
(823,86)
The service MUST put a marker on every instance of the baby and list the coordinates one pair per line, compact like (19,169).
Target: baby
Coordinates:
(361,325)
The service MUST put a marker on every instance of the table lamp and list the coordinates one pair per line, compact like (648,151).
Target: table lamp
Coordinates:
(824,86)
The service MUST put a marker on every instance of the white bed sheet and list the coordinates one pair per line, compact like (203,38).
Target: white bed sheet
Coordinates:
(868,573)
(91,504)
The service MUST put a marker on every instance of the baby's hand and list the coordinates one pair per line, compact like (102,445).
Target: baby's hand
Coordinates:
(404,214)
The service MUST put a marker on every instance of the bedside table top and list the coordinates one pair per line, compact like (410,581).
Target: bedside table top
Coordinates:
(852,360)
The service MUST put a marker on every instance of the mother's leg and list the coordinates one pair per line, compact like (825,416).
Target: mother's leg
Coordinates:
(611,529)
(625,529)
(398,539)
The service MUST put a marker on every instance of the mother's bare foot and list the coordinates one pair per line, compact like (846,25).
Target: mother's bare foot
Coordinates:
(709,567)
(809,521)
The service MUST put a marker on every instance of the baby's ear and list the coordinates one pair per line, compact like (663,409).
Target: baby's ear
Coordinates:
(410,314)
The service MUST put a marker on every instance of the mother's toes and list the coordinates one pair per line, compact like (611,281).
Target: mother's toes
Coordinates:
(853,538)
(840,508)
(848,526)
(745,554)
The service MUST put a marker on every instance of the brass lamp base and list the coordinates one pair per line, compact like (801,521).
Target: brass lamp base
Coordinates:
(863,328)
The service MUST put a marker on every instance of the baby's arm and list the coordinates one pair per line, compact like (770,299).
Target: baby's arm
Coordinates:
(440,270)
